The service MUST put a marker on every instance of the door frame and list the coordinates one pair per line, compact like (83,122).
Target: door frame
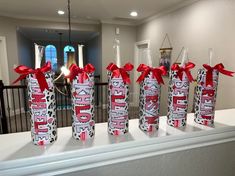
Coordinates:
(4,61)
(136,64)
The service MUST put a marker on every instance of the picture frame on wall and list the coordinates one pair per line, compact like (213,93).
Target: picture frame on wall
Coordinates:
(165,54)
(165,58)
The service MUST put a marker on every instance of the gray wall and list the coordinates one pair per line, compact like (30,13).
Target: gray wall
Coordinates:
(127,39)
(93,53)
(202,25)
(8,30)
(25,50)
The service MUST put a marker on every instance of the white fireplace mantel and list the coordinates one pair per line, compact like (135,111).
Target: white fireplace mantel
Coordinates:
(18,156)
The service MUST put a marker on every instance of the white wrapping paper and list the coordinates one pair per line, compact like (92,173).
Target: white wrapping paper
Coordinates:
(42,109)
(149,105)
(177,100)
(205,98)
(83,124)
(118,105)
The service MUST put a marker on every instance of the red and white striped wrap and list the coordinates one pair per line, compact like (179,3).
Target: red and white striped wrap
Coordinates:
(118,99)
(180,78)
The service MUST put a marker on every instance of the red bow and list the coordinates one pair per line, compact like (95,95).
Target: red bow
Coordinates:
(121,71)
(180,70)
(39,73)
(209,73)
(80,72)
(157,72)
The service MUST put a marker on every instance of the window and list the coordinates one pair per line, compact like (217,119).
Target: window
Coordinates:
(51,55)
(66,49)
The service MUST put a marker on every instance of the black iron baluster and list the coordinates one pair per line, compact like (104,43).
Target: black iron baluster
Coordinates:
(102,101)
(98,104)
(4,118)
(26,107)
(66,106)
(13,96)
(21,122)
(61,110)
(97,97)
(106,104)
(57,117)
(8,110)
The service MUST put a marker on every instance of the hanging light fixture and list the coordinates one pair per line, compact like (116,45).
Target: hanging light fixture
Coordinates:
(61,62)
(70,53)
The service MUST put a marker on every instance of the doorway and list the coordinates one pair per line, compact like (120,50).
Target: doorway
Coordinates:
(141,52)
(4,74)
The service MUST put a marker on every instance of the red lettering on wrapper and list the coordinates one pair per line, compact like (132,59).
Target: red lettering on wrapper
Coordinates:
(117,90)
(152,98)
(114,97)
(176,124)
(82,117)
(207,105)
(178,102)
(117,106)
(39,128)
(116,132)
(209,93)
(151,102)
(38,98)
(39,106)
(119,122)
(83,136)
(207,117)
(119,114)
(151,120)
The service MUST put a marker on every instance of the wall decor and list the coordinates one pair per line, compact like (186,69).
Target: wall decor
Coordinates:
(165,54)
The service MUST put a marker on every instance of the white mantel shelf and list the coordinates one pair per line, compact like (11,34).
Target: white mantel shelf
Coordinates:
(18,156)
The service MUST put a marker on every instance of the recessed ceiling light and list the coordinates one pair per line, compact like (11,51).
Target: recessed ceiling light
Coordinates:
(134,14)
(60,12)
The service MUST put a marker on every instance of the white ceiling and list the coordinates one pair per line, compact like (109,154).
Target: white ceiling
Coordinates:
(85,11)
(93,11)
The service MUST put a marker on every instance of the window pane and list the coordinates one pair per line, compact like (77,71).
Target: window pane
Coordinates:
(66,49)
(51,55)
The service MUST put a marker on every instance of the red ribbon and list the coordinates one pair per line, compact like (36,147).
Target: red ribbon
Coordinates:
(80,72)
(157,72)
(39,74)
(209,73)
(180,70)
(121,71)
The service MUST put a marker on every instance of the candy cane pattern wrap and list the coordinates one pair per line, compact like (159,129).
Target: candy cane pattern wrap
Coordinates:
(149,101)
(206,93)
(42,105)
(82,93)
(118,98)
(180,78)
